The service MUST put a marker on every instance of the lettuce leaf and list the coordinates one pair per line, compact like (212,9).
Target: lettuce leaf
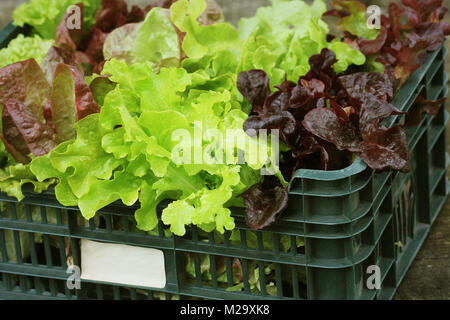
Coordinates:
(281,38)
(13,177)
(24,48)
(71,100)
(127,152)
(44,16)
(199,39)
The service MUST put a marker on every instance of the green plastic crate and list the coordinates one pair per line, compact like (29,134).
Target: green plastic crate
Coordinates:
(349,220)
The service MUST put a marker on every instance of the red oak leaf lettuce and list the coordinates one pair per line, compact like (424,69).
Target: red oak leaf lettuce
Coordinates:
(324,118)
(264,202)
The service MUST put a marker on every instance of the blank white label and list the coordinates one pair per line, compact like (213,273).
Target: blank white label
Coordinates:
(122,264)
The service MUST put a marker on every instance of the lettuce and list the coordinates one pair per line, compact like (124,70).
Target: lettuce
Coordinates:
(35,115)
(23,48)
(127,152)
(237,281)
(175,70)
(408,31)
(44,16)
(281,38)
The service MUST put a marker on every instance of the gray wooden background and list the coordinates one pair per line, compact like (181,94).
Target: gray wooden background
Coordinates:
(429,276)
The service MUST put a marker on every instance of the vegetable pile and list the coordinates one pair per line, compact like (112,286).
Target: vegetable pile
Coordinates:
(106,112)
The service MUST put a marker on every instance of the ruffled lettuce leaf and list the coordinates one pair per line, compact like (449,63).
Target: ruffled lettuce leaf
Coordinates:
(128,150)
(24,81)
(201,39)
(24,48)
(44,16)
(281,38)
(14,177)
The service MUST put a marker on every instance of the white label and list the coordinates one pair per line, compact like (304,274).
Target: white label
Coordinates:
(122,264)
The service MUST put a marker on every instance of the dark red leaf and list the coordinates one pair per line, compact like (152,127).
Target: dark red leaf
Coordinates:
(427,36)
(254,86)
(111,15)
(386,148)
(307,94)
(312,146)
(325,124)
(283,121)
(71,100)
(23,130)
(57,55)
(12,133)
(410,30)
(280,100)
(25,81)
(423,8)
(94,42)
(374,83)
(70,38)
(17,155)
(373,46)
(373,110)
(340,112)
(137,14)
(264,202)
(403,17)
(322,64)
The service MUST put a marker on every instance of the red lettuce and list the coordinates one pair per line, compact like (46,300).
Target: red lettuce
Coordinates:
(324,118)
(25,81)
(407,33)
(36,116)
(71,100)
(420,106)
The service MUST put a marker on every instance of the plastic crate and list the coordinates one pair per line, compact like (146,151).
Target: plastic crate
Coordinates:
(349,220)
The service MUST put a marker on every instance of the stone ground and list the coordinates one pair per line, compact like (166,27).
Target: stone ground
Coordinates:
(429,276)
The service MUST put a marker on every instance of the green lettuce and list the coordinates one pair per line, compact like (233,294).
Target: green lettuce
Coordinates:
(14,175)
(131,152)
(128,151)
(356,21)
(24,48)
(280,40)
(44,16)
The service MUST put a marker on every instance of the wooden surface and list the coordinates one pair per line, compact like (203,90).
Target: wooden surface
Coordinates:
(429,275)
